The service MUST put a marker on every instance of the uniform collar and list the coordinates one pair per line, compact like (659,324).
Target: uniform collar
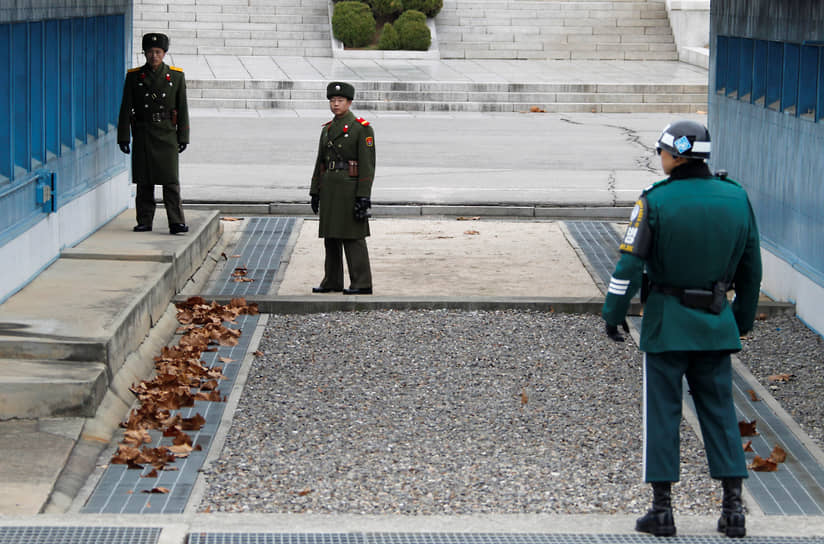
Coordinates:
(691,169)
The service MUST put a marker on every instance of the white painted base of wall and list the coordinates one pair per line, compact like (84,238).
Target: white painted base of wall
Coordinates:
(35,249)
(784,283)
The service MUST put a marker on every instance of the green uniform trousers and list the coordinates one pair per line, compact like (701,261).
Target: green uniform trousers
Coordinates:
(145,204)
(357,260)
(709,375)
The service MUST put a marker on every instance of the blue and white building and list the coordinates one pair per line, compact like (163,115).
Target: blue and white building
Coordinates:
(766,118)
(62,175)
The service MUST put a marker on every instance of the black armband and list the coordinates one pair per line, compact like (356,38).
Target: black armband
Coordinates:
(638,238)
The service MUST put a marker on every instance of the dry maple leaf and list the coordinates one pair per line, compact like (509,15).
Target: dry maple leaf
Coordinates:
(152,474)
(753,396)
(747,428)
(305,492)
(748,446)
(474,218)
(258,353)
(781,377)
(778,455)
(225,359)
(194,423)
(230,218)
(763,465)
(156,490)
(524,397)
(471,232)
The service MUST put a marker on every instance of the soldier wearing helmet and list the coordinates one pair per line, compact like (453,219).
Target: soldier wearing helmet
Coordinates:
(694,236)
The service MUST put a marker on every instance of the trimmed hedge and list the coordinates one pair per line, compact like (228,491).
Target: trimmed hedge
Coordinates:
(353,23)
(389,38)
(430,8)
(412,31)
(386,8)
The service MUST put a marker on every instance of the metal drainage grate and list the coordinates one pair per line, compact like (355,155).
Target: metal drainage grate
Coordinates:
(121,491)
(260,248)
(79,535)
(473,538)
(599,242)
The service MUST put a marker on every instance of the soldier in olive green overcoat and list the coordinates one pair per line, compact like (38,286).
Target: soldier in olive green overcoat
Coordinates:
(154,112)
(694,236)
(341,193)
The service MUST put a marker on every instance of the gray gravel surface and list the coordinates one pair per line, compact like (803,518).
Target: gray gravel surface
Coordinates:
(443,412)
(784,345)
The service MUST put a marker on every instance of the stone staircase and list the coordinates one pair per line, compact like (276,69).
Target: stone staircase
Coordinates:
(455,96)
(237,27)
(555,29)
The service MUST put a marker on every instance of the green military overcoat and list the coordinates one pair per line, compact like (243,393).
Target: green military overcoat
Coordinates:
(155,111)
(703,230)
(342,140)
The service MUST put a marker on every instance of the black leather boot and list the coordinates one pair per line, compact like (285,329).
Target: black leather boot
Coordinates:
(658,520)
(732,522)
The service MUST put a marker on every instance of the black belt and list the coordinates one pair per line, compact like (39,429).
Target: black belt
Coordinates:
(711,300)
(337,165)
(154,117)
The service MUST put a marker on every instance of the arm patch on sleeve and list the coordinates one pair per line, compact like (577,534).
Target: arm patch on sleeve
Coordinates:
(638,238)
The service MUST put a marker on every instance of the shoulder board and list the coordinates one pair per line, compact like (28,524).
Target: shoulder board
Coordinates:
(725,178)
(655,185)
(134,69)
(175,68)
(362,121)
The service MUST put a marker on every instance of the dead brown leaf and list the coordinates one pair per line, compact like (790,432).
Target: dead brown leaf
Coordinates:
(748,446)
(763,465)
(778,455)
(747,428)
(782,378)
(474,218)
(471,232)
(229,218)
(156,490)
(753,396)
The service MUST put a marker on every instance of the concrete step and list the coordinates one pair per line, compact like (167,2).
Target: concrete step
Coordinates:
(31,389)
(83,315)
(454,96)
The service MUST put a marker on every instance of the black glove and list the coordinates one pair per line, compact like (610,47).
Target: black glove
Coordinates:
(124,148)
(362,203)
(315,203)
(613,334)
(181,148)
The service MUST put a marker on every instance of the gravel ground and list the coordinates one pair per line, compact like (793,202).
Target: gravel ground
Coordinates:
(784,345)
(443,412)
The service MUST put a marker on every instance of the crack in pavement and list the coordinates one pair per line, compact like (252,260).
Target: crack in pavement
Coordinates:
(646,161)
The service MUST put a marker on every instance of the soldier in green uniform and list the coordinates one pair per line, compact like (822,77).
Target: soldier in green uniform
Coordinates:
(155,114)
(691,237)
(341,193)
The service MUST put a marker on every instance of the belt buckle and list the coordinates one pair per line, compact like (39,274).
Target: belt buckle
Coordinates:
(331,165)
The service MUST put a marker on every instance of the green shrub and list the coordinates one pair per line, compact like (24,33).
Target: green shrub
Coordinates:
(412,30)
(430,8)
(353,23)
(386,8)
(389,38)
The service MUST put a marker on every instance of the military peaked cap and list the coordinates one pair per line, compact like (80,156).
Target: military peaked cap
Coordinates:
(155,39)
(339,88)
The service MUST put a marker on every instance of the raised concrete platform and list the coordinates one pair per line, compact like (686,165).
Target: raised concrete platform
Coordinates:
(66,335)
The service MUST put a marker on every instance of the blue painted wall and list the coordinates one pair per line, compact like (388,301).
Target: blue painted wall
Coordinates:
(766,117)
(59,101)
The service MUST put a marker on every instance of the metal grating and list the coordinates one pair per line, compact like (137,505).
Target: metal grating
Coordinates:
(473,538)
(797,488)
(79,535)
(120,490)
(260,248)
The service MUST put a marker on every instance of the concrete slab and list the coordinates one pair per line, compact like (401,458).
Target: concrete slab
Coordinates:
(185,252)
(33,389)
(450,258)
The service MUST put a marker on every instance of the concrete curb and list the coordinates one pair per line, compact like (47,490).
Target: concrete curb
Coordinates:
(525,211)
(269,304)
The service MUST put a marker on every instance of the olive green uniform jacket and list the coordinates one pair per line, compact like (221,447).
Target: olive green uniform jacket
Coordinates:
(703,230)
(152,102)
(342,140)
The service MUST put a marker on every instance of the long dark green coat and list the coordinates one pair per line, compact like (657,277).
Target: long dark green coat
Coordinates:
(152,102)
(344,139)
(703,229)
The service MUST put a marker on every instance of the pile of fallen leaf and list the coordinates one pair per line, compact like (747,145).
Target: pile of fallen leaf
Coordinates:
(759,464)
(180,379)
